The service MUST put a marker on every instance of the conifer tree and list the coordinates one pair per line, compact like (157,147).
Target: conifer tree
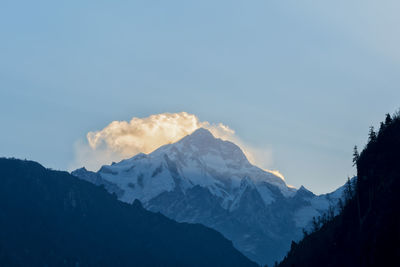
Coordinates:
(356,155)
(372,134)
(293,245)
(388,119)
(348,191)
(305,233)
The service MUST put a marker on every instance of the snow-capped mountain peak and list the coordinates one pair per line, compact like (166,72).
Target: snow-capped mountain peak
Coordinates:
(203,179)
(203,145)
(304,192)
(200,136)
(198,159)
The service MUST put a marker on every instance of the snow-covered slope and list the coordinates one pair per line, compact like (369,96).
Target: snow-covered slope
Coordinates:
(198,159)
(316,206)
(202,179)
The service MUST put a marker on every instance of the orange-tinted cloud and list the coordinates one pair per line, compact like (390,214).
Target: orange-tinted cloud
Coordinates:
(122,139)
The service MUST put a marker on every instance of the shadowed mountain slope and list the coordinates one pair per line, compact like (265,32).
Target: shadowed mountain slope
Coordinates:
(367,231)
(51,218)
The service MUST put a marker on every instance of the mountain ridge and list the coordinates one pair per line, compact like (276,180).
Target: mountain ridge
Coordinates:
(51,218)
(206,180)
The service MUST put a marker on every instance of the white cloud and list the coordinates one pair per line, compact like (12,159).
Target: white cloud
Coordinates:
(121,139)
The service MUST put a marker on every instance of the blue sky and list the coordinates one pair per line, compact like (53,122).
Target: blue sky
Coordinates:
(301,79)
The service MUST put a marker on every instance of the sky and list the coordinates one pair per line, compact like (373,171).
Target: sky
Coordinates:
(300,81)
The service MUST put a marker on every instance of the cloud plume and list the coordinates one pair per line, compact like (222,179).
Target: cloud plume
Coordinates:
(122,139)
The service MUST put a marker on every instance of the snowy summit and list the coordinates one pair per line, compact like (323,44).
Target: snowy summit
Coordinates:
(203,179)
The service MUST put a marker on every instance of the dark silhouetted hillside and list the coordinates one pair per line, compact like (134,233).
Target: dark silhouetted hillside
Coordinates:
(367,232)
(50,218)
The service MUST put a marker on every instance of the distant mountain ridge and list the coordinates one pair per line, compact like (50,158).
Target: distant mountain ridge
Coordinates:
(203,179)
(50,218)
